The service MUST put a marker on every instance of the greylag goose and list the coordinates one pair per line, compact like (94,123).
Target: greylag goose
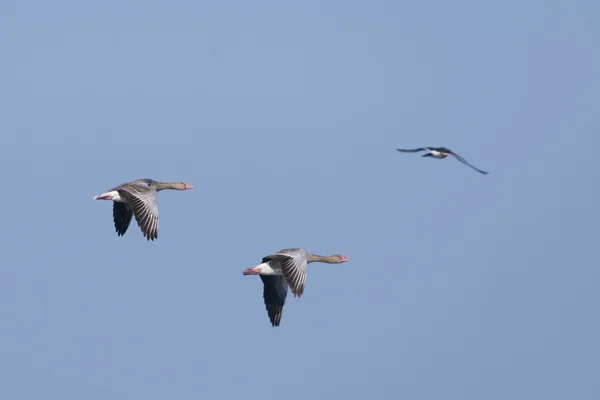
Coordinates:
(441,152)
(138,198)
(282,269)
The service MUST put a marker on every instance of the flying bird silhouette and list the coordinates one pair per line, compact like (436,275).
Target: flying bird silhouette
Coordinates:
(441,152)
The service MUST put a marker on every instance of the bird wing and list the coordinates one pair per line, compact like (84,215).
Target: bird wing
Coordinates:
(122,214)
(275,290)
(462,160)
(293,266)
(143,202)
(414,150)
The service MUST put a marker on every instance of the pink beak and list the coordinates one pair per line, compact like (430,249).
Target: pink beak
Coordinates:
(188,186)
(251,271)
(345,258)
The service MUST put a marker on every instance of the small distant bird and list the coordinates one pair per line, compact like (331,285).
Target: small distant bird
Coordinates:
(441,152)
(138,198)
(286,268)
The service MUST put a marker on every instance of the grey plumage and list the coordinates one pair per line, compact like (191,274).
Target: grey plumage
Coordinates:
(292,263)
(138,198)
(288,269)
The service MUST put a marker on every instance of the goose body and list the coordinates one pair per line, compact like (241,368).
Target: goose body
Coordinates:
(286,269)
(138,198)
(441,152)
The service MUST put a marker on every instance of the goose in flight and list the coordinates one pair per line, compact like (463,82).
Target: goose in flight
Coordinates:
(283,269)
(138,198)
(441,152)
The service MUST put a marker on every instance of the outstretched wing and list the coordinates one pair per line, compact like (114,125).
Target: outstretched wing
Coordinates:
(274,292)
(122,214)
(143,203)
(462,160)
(293,266)
(414,150)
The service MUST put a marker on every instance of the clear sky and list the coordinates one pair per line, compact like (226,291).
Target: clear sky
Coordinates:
(286,116)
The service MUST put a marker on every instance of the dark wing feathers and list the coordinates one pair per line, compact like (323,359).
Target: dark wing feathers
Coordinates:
(413,150)
(440,149)
(274,292)
(122,214)
(462,160)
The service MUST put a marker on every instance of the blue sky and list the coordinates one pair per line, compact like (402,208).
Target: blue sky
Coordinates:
(286,118)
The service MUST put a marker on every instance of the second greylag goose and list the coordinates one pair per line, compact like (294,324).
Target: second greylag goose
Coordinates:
(138,198)
(441,152)
(286,268)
